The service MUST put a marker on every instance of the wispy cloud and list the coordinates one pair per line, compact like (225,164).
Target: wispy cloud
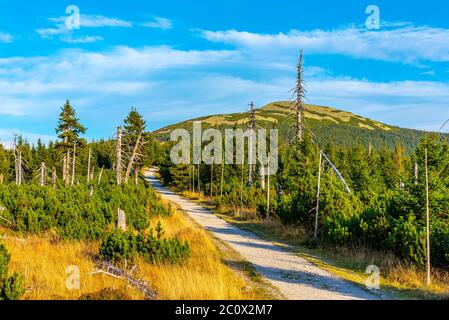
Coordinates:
(7,137)
(394,42)
(85,39)
(96,21)
(159,23)
(86,21)
(34,86)
(5,37)
(109,82)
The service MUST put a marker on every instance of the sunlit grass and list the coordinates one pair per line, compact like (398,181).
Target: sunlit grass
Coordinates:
(350,263)
(43,262)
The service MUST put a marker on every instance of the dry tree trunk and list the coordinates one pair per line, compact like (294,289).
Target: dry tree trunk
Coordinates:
(42,174)
(73,165)
(119,156)
(101,173)
(67,166)
(19,169)
(133,157)
(88,165)
(54,177)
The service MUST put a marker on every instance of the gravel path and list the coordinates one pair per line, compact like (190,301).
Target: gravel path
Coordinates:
(295,277)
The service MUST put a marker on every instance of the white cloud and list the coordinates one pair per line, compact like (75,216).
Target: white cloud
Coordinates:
(411,104)
(7,137)
(48,33)
(86,21)
(428,73)
(159,23)
(397,42)
(5,37)
(98,21)
(95,21)
(169,85)
(85,39)
(35,86)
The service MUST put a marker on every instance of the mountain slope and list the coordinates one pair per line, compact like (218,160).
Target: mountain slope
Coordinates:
(326,124)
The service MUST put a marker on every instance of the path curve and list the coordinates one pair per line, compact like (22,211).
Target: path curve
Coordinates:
(295,277)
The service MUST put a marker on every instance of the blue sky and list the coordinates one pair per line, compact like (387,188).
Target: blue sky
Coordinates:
(175,60)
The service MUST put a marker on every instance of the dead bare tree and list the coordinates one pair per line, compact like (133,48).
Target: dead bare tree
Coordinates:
(54,177)
(252,127)
(136,176)
(222,178)
(428,279)
(133,158)
(113,271)
(299,104)
(67,168)
(119,156)
(73,165)
(212,179)
(64,168)
(88,165)
(42,174)
(101,173)
(18,164)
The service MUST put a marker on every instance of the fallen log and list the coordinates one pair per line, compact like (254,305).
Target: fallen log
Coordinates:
(110,269)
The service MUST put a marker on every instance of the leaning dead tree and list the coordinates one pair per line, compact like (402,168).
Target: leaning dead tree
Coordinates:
(133,157)
(101,173)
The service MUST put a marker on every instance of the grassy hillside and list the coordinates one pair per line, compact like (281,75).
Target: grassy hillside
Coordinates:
(327,124)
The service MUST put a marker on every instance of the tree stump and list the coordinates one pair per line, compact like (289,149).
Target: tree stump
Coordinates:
(121,220)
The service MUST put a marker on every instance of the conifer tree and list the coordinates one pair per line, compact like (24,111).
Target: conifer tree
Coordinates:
(134,128)
(69,129)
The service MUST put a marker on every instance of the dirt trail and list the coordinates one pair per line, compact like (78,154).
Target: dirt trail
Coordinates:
(295,277)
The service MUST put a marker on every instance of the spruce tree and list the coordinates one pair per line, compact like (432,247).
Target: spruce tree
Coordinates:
(134,123)
(134,128)
(69,128)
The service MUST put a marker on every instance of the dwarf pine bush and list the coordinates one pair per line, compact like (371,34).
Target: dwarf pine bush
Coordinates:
(73,212)
(118,245)
(11,288)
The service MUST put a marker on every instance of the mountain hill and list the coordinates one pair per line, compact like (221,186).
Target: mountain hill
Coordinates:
(325,123)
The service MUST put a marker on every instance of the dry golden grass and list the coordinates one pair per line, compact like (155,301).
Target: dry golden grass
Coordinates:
(395,275)
(348,262)
(204,275)
(43,263)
